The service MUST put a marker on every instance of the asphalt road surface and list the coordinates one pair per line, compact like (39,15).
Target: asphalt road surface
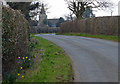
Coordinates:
(94,60)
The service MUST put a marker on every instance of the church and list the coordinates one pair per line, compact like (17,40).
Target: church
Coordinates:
(42,16)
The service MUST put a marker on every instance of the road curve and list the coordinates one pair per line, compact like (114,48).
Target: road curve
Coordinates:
(94,60)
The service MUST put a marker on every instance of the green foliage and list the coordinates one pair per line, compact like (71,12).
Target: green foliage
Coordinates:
(49,30)
(49,24)
(34,6)
(55,65)
(25,64)
(45,21)
(10,78)
(25,7)
(59,22)
(32,45)
(34,23)
(14,40)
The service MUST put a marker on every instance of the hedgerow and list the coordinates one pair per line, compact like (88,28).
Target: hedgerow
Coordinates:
(15,40)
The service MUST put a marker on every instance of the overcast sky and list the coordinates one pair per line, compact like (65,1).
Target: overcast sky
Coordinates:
(58,8)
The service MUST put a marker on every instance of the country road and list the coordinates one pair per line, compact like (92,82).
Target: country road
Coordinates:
(94,60)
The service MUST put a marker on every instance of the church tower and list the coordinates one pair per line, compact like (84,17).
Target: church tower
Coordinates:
(42,15)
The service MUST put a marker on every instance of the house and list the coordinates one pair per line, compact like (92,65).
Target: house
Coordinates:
(52,22)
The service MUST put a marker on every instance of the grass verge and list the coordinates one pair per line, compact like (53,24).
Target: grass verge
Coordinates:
(51,64)
(106,37)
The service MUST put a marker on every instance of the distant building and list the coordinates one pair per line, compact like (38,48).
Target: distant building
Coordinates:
(88,13)
(53,22)
(42,15)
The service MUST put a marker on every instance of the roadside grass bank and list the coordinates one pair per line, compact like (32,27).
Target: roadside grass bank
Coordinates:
(51,64)
(44,33)
(106,37)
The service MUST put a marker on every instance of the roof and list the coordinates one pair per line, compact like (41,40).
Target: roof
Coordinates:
(53,21)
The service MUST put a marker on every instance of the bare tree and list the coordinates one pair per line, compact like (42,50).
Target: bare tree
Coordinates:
(78,7)
(69,17)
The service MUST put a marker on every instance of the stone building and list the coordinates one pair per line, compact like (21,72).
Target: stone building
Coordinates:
(42,15)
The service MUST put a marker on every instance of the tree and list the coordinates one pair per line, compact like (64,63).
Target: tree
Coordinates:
(88,13)
(45,21)
(25,7)
(49,24)
(60,21)
(69,17)
(78,7)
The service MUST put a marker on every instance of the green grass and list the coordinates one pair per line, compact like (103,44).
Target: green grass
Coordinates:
(53,66)
(106,37)
(42,33)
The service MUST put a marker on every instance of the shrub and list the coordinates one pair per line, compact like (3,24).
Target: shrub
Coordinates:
(99,25)
(14,40)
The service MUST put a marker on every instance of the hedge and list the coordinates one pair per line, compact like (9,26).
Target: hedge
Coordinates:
(14,40)
(98,25)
